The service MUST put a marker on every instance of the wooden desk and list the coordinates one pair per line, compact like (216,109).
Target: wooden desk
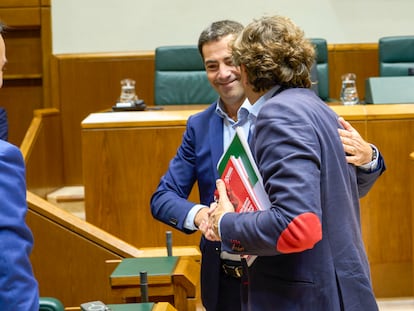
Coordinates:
(125,154)
(412,205)
(175,278)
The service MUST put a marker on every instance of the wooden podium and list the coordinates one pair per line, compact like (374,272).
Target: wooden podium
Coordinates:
(124,155)
(170,278)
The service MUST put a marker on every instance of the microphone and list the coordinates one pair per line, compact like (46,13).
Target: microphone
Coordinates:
(144,286)
(169,243)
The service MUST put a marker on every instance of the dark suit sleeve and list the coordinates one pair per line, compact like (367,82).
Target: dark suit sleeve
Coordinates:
(19,289)
(366,179)
(169,202)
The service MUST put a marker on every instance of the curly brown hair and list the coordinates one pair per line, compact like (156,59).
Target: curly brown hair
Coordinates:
(274,51)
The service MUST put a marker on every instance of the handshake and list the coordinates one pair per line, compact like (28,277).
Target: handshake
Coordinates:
(207,219)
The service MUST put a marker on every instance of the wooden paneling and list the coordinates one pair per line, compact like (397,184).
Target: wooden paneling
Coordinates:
(361,59)
(42,149)
(69,255)
(23,45)
(72,260)
(387,225)
(122,168)
(411,189)
(27,75)
(20,98)
(90,83)
(21,17)
(19,3)
(46,46)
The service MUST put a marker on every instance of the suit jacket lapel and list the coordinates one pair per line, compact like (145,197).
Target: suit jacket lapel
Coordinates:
(216,140)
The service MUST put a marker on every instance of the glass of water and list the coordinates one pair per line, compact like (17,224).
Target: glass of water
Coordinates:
(349,93)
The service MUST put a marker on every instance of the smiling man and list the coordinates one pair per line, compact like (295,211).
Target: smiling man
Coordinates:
(203,143)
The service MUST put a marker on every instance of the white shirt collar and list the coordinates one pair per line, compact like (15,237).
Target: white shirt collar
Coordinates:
(259,103)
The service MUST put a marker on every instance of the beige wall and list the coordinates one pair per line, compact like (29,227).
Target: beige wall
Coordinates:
(128,25)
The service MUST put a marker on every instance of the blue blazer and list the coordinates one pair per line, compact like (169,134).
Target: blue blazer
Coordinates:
(196,160)
(311,253)
(18,287)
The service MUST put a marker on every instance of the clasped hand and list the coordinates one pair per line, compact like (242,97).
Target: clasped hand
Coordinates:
(210,225)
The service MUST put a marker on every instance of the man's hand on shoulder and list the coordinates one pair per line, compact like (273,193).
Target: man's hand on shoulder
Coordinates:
(358,151)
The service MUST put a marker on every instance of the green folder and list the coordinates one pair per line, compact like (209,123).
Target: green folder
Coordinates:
(240,149)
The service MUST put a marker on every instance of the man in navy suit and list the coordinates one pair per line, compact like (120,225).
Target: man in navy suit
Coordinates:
(196,160)
(206,135)
(18,287)
(309,245)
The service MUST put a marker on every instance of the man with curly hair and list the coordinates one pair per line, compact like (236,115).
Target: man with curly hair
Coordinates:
(309,245)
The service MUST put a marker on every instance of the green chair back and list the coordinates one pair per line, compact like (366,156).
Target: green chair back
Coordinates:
(50,304)
(322,66)
(396,55)
(180,77)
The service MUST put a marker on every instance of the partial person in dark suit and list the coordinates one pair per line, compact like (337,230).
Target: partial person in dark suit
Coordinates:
(309,245)
(18,287)
(206,136)
(4,125)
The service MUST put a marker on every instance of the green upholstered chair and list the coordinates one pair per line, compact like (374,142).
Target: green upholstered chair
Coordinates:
(322,67)
(396,55)
(180,77)
(50,304)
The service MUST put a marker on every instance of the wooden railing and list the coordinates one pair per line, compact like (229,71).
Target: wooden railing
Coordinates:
(69,255)
(42,151)
(72,259)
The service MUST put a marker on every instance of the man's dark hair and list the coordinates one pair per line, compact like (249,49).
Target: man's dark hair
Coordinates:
(218,30)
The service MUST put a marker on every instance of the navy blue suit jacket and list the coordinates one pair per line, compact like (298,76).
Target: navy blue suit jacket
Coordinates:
(311,253)
(196,160)
(18,287)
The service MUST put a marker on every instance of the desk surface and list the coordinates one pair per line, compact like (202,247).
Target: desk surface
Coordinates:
(169,115)
(178,115)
